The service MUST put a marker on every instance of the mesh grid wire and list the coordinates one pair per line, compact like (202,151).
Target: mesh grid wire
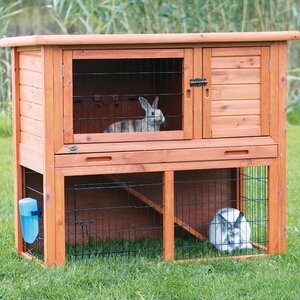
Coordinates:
(121,215)
(32,184)
(115,215)
(106,91)
(199,195)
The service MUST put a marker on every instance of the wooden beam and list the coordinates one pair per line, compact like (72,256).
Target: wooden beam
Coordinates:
(49,177)
(155,206)
(168,216)
(16,141)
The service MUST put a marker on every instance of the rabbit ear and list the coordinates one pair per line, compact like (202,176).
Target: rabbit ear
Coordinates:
(155,102)
(144,103)
(224,223)
(237,223)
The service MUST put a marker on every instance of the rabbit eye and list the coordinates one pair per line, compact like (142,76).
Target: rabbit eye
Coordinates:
(152,113)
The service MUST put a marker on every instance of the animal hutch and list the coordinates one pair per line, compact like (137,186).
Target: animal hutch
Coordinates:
(132,143)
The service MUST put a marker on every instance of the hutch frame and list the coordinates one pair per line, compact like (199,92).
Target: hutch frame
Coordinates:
(43,63)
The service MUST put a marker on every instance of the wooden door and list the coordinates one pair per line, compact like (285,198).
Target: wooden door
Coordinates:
(236,99)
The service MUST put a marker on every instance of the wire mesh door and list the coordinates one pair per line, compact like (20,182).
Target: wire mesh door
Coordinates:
(114,215)
(224,210)
(126,91)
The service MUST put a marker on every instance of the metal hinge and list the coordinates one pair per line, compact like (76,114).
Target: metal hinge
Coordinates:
(63,71)
(198,82)
(270,66)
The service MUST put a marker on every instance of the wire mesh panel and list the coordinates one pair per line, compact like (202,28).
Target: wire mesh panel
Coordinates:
(114,215)
(108,93)
(224,212)
(33,187)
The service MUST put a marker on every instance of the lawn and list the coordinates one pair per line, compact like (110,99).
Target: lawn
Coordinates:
(275,277)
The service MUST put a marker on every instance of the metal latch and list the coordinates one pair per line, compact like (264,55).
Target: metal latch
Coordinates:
(198,82)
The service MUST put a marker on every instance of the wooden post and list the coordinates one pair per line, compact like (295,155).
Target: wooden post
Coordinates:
(168,216)
(60,242)
(49,168)
(16,140)
(277,172)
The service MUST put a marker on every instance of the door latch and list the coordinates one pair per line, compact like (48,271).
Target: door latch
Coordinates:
(198,82)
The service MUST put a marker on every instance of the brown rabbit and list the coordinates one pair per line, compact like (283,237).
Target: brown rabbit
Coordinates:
(152,121)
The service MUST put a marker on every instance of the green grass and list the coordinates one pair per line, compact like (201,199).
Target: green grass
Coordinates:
(275,277)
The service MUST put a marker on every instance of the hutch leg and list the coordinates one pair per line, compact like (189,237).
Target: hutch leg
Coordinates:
(60,251)
(277,171)
(49,168)
(18,194)
(168,216)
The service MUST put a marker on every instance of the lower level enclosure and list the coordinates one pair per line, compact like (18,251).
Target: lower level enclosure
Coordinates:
(122,214)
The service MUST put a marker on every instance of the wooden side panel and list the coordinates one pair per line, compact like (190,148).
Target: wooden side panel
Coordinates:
(31,156)
(31,110)
(277,171)
(168,216)
(237,93)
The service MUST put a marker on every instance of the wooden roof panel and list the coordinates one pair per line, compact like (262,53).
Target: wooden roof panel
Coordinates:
(168,38)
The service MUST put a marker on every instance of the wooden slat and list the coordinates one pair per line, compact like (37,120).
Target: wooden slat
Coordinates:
(165,145)
(32,126)
(134,53)
(31,78)
(59,101)
(16,141)
(236,51)
(173,38)
(235,107)
(229,132)
(30,139)
(240,257)
(31,61)
(265,91)
(235,62)
(207,93)
(68,97)
(231,126)
(49,174)
(235,92)
(131,136)
(164,156)
(235,76)
(188,94)
(31,94)
(31,157)
(197,94)
(60,242)
(159,167)
(31,110)
(168,216)
(235,122)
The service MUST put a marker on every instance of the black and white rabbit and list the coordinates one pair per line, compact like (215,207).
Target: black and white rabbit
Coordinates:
(229,230)
(152,121)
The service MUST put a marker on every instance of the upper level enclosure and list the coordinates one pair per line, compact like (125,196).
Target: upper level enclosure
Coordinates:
(141,94)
